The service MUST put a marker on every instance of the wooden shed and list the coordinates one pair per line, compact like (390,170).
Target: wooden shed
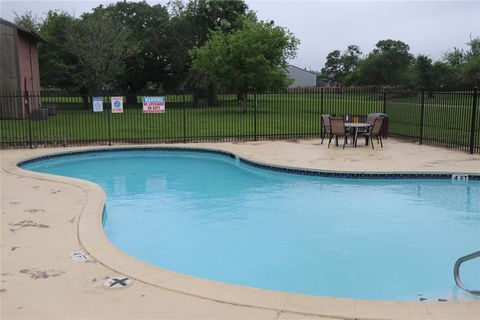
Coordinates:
(19,70)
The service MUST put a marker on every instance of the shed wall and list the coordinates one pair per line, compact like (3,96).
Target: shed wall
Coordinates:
(19,72)
(29,70)
(9,74)
(8,59)
(28,58)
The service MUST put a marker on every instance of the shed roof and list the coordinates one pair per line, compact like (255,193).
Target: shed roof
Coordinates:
(29,33)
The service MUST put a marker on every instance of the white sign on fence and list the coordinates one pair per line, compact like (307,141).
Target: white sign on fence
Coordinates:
(117,104)
(97,104)
(153,104)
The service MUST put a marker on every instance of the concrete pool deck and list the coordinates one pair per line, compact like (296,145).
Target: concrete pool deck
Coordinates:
(45,218)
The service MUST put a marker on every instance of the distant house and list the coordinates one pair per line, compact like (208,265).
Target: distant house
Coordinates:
(301,77)
(19,70)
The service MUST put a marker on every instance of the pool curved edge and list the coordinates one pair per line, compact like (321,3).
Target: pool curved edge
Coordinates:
(96,244)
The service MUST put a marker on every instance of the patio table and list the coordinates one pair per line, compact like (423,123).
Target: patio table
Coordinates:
(355,127)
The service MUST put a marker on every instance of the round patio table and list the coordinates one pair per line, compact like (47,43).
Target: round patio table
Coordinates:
(355,127)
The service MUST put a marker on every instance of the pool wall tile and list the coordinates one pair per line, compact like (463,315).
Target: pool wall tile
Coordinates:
(299,171)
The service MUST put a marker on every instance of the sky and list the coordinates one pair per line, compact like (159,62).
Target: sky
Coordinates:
(428,27)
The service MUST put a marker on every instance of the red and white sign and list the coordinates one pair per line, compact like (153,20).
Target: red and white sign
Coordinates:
(153,104)
(117,104)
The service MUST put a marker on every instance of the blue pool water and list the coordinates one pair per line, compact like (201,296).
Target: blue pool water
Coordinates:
(208,215)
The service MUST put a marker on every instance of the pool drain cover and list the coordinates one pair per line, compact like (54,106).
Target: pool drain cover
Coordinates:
(115,283)
(79,256)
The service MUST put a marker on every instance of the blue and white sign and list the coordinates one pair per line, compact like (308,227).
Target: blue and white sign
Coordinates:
(97,104)
(117,104)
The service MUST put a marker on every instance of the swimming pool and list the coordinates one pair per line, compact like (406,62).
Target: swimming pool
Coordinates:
(208,215)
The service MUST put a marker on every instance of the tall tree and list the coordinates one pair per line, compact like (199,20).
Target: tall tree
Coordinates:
(101,46)
(56,63)
(369,72)
(28,21)
(350,58)
(253,57)
(148,28)
(387,64)
(423,73)
(455,57)
(339,66)
(332,72)
(471,69)
(460,68)
(190,26)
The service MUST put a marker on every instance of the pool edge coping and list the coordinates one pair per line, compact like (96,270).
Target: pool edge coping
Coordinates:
(368,174)
(94,241)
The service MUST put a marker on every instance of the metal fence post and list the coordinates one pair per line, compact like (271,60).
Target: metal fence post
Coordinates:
(109,111)
(255,116)
(184,110)
(321,112)
(321,100)
(474,118)
(29,114)
(422,115)
(384,102)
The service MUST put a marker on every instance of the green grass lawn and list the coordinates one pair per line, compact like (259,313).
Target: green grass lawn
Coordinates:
(447,118)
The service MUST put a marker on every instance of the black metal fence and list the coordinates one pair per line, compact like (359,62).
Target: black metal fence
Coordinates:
(54,118)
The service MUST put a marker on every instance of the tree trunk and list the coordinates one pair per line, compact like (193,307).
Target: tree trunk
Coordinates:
(211,96)
(132,100)
(242,99)
(194,99)
(338,88)
(85,94)
(86,101)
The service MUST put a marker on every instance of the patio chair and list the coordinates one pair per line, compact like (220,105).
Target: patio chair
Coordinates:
(374,132)
(337,129)
(326,126)
(371,119)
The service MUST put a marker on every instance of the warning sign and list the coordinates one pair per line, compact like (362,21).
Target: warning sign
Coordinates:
(153,104)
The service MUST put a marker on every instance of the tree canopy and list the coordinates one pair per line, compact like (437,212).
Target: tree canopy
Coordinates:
(252,57)
(210,44)
(338,66)
(390,63)
(130,45)
(28,20)
(145,29)
(190,27)
(101,45)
